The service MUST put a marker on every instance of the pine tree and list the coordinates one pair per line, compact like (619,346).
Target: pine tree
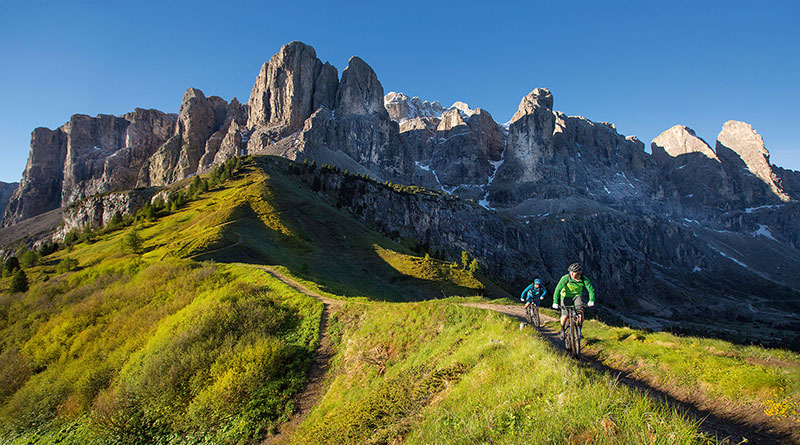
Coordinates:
(132,241)
(464,258)
(19,283)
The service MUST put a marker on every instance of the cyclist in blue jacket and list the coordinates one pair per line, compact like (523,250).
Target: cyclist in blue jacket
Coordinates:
(534,293)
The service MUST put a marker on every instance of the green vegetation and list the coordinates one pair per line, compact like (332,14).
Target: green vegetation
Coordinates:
(171,351)
(436,372)
(714,372)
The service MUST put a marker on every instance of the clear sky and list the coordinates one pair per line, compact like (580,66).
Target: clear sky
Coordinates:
(642,65)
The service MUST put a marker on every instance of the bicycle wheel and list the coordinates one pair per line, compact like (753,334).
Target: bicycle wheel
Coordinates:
(536,321)
(576,340)
(567,336)
(528,313)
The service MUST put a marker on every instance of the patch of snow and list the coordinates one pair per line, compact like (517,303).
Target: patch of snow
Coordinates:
(764,231)
(606,189)
(463,109)
(691,220)
(729,257)
(96,148)
(682,166)
(496,165)
(697,269)
(427,168)
(753,209)
(690,195)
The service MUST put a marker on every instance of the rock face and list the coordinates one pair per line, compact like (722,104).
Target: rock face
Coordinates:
(199,134)
(300,110)
(402,108)
(98,210)
(6,190)
(288,89)
(742,148)
(552,156)
(84,157)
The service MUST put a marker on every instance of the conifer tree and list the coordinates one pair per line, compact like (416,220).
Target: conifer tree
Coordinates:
(20,282)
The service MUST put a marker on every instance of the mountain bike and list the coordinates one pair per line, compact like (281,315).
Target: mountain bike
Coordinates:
(533,314)
(572,334)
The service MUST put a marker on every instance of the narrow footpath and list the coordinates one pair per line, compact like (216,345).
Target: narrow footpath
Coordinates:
(319,368)
(725,429)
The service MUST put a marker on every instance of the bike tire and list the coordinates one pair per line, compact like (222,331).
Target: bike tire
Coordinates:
(567,336)
(536,322)
(528,314)
(576,341)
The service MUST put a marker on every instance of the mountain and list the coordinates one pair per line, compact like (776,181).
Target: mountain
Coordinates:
(667,236)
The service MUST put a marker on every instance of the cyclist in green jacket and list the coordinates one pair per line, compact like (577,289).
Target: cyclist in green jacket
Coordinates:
(571,287)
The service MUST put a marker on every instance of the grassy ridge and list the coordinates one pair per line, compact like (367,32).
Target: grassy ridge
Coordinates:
(439,373)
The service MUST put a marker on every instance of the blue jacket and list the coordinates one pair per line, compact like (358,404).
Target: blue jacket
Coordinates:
(533,294)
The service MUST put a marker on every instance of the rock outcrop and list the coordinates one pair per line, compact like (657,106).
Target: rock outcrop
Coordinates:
(198,135)
(6,190)
(86,156)
(288,89)
(402,108)
(552,156)
(98,210)
(743,149)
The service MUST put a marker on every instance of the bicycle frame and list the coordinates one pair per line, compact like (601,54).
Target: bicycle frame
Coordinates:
(572,340)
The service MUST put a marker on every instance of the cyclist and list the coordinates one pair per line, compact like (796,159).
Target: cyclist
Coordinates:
(533,294)
(571,286)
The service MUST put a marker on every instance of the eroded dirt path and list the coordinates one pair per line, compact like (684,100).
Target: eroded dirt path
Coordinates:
(727,425)
(322,358)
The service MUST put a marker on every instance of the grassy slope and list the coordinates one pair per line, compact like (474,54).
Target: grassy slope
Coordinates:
(436,372)
(748,381)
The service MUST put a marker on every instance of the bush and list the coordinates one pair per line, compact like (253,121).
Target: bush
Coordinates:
(19,283)
(29,258)
(473,266)
(66,265)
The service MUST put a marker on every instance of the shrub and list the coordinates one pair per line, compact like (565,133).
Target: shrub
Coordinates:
(66,265)
(29,258)
(473,266)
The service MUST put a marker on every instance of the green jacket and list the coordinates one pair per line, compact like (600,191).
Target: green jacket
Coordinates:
(567,287)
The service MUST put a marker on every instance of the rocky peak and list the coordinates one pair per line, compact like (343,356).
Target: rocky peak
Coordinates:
(465,110)
(739,142)
(284,93)
(359,92)
(402,108)
(536,99)
(679,140)
(451,119)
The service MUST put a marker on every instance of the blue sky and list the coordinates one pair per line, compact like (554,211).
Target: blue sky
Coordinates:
(642,65)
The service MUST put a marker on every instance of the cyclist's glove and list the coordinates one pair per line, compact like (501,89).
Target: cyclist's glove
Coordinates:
(590,304)
(555,306)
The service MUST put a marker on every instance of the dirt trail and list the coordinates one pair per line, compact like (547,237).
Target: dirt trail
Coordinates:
(725,426)
(322,357)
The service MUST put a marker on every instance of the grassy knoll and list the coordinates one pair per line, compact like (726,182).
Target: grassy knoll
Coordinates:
(435,372)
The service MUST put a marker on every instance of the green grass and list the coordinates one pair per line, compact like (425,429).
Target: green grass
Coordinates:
(167,351)
(435,372)
(714,372)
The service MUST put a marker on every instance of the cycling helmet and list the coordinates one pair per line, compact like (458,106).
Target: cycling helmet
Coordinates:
(537,281)
(575,267)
